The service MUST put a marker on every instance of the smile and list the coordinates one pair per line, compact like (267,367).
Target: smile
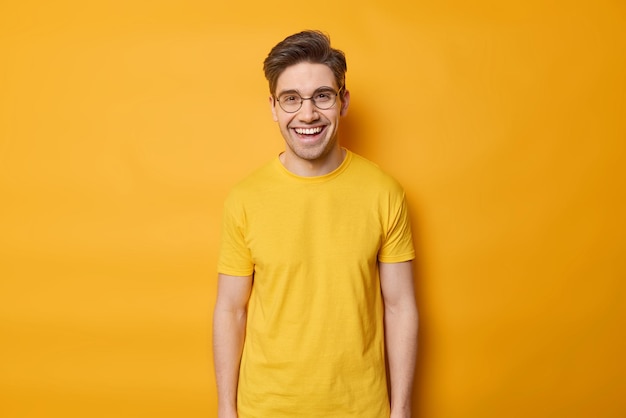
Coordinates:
(308,131)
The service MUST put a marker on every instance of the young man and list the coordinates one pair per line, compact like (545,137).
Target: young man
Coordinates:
(315,286)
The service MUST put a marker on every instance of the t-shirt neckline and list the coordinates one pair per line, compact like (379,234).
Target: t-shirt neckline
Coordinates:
(316,179)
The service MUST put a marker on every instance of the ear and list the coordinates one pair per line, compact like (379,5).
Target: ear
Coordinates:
(273,108)
(345,102)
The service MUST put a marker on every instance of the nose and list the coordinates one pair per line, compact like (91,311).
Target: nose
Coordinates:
(308,112)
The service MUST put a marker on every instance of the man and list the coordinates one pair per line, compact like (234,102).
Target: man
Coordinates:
(315,286)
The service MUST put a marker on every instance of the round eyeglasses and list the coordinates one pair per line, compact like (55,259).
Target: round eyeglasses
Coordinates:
(322,99)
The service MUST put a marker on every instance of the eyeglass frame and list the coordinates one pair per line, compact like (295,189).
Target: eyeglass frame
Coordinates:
(302,99)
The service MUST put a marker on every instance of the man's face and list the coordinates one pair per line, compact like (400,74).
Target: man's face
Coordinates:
(310,132)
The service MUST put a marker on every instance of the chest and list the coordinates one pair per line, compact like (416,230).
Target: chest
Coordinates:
(315,226)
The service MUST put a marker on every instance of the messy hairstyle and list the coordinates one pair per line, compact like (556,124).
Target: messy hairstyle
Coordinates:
(308,46)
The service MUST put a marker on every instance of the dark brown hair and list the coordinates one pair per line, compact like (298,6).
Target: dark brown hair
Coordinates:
(308,46)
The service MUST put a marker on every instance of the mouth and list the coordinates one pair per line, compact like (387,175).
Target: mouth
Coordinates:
(308,132)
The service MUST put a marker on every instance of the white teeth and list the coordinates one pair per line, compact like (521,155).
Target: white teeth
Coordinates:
(308,131)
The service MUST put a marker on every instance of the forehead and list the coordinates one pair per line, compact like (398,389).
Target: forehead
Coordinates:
(305,77)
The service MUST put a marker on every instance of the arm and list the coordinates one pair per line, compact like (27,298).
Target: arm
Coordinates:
(400,332)
(229,325)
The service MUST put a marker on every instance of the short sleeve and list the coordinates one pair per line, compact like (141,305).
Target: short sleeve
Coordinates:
(234,255)
(397,245)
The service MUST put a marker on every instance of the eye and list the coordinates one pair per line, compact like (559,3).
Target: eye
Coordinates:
(289,99)
(323,96)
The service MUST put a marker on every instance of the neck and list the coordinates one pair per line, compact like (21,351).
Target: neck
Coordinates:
(313,168)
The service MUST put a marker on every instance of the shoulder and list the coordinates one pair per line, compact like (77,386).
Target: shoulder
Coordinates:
(370,174)
(254,187)
(255,182)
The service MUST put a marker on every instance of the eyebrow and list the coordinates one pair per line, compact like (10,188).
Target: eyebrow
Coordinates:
(317,90)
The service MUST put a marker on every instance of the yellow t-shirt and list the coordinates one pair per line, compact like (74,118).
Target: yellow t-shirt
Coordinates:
(314,344)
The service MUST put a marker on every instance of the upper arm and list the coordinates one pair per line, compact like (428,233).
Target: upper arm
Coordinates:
(396,281)
(233,292)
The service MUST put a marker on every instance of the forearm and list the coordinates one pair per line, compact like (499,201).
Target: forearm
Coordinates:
(401,324)
(228,337)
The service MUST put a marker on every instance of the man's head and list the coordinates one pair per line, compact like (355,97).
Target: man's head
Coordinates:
(307,99)
(307,46)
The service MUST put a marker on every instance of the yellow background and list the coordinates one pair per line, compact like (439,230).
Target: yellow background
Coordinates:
(123,124)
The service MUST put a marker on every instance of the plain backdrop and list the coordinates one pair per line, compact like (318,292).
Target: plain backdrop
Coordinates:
(123,124)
